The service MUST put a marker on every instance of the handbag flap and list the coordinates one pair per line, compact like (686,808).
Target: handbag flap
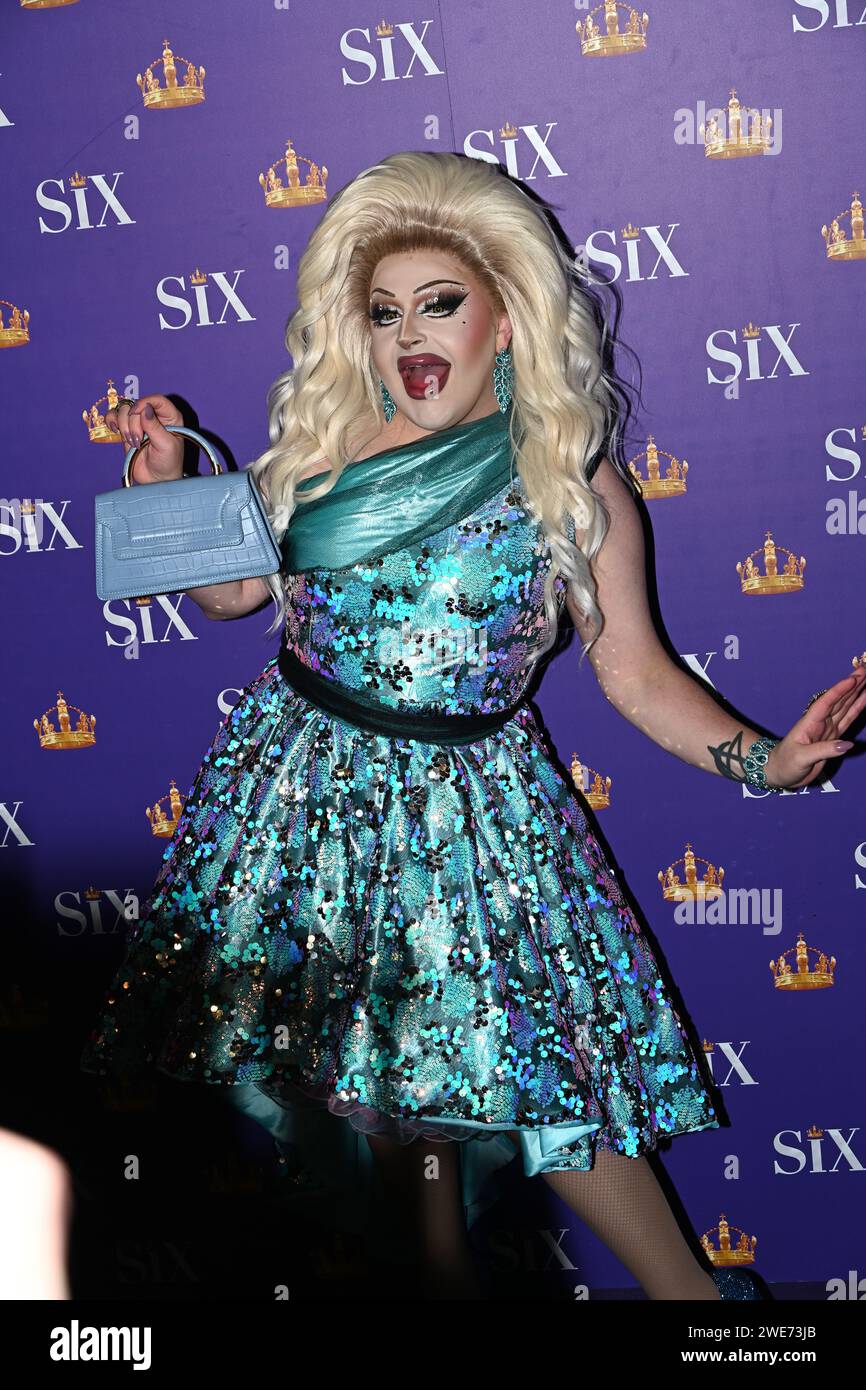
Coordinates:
(209,513)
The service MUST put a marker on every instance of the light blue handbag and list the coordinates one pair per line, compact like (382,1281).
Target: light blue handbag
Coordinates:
(164,538)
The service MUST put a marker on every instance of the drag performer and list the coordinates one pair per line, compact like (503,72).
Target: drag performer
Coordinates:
(382,900)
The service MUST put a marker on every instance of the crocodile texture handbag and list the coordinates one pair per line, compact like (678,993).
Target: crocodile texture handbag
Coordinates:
(164,538)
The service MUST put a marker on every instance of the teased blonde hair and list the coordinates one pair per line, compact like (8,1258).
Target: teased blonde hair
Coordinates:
(564,399)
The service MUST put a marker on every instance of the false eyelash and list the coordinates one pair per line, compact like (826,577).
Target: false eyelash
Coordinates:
(449,302)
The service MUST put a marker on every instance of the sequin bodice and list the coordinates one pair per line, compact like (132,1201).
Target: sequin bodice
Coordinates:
(451,625)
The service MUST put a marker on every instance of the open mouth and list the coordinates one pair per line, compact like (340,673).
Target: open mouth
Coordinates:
(423,377)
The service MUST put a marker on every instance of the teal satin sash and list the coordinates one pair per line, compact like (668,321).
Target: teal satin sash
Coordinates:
(394,498)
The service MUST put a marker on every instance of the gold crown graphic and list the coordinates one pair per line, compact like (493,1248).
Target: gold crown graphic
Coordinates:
(673,484)
(97,430)
(751,330)
(293,193)
(160,824)
(799,973)
(198,277)
(384,30)
(841,247)
(612,41)
(78,180)
(771,581)
(92,894)
(188,93)
(708,1046)
(748,132)
(590,783)
(813,1132)
(743,1253)
(630,233)
(27,507)
(855,660)
(674,890)
(16,332)
(82,736)
(508,131)
(45,4)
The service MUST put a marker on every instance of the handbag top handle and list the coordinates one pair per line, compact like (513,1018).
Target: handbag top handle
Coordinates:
(203,443)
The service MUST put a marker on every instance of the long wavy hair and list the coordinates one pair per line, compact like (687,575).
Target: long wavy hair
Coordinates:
(569,404)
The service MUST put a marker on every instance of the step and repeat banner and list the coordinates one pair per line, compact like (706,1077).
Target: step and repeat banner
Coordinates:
(164,166)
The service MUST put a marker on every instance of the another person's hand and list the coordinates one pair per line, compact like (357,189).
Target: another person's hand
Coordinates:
(160,459)
(36,1199)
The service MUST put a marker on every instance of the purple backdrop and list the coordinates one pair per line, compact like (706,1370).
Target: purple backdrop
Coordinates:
(771,426)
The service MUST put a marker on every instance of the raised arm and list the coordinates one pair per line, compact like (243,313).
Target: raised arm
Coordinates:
(667,703)
(160,460)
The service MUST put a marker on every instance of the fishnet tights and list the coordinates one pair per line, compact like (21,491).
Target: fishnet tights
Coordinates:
(622,1200)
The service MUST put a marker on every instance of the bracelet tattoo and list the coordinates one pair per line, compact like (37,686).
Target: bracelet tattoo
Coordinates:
(728,754)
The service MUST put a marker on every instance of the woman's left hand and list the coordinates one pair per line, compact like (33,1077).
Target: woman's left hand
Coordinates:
(800,756)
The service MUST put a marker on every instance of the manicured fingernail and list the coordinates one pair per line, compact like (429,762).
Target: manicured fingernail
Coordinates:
(148,410)
(842,746)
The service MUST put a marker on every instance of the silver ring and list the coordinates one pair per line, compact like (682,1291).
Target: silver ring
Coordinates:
(814,698)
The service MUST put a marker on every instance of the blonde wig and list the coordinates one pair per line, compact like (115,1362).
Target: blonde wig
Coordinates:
(565,402)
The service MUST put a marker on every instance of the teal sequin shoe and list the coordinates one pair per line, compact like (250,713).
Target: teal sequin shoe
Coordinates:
(737,1283)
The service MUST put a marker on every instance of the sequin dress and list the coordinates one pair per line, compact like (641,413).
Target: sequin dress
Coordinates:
(426,940)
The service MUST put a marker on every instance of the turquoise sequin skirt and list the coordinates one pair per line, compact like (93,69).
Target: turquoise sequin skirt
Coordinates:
(426,941)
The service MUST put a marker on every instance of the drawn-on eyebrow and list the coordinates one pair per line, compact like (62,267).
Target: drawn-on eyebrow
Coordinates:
(377,289)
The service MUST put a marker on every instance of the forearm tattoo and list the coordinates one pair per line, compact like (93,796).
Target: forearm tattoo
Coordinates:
(730,758)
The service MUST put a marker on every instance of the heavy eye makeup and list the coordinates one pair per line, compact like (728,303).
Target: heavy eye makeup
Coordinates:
(438,306)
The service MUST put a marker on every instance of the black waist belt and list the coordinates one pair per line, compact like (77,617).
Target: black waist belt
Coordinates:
(378,718)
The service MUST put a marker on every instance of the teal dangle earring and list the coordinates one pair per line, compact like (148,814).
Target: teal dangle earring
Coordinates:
(503,378)
(389,405)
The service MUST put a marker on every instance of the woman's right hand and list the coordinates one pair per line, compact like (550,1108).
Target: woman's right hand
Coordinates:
(160,460)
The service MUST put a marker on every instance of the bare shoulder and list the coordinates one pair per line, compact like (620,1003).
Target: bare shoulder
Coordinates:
(618,564)
(616,494)
(320,466)
(383,439)
(610,485)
